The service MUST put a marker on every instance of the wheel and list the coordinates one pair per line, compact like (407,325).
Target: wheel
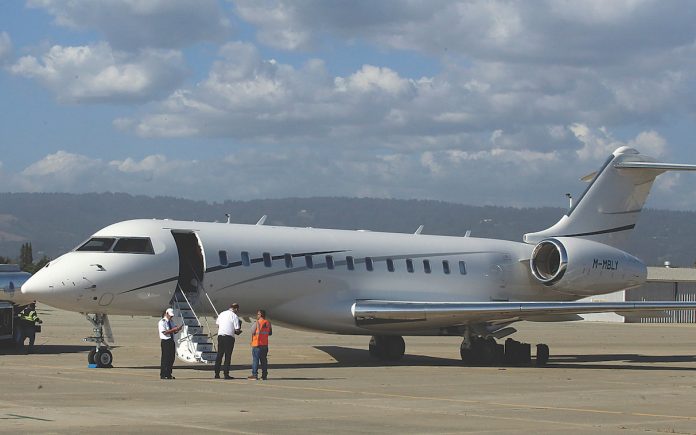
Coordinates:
(103,357)
(542,355)
(394,348)
(466,353)
(387,347)
(490,352)
(376,347)
(90,356)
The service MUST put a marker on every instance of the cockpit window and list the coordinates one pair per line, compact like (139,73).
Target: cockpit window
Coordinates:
(134,245)
(97,244)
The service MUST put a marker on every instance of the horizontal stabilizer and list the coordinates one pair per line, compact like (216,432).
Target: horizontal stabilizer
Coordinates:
(657,166)
(378,313)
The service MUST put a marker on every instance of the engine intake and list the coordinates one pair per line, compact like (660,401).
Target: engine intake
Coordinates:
(549,261)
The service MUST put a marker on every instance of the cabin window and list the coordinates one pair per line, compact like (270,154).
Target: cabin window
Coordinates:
(350,263)
(97,244)
(245,258)
(409,265)
(445,267)
(368,264)
(462,267)
(390,265)
(426,266)
(223,258)
(267,259)
(134,245)
(288,261)
(329,262)
(308,260)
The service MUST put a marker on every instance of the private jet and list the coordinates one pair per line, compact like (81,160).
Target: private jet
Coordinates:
(383,285)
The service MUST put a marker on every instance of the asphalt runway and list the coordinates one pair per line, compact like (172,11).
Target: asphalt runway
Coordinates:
(609,378)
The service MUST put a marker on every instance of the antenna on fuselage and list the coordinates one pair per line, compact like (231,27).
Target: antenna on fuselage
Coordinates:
(228,217)
(468,233)
(570,200)
(262,220)
(418,231)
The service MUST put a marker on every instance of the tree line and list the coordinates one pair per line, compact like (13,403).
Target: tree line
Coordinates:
(26,259)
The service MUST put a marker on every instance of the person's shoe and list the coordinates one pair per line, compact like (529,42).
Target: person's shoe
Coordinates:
(171,377)
(217,375)
(253,378)
(229,377)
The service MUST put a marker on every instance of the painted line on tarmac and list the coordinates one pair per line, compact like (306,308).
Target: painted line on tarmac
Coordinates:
(22,417)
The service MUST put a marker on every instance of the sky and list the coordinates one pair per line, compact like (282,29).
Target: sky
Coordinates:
(477,102)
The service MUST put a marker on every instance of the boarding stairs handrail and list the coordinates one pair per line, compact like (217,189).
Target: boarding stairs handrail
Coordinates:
(196,349)
(207,325)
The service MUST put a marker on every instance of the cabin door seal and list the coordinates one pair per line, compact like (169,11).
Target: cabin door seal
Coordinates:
(191,261)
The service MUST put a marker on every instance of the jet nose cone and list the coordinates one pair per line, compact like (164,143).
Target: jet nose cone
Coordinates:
(35,287)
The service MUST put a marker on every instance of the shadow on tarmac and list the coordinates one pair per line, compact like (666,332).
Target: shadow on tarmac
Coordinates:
(47,349)
(347,357)
(623,361)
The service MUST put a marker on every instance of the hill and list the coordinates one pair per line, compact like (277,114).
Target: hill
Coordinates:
(57,222)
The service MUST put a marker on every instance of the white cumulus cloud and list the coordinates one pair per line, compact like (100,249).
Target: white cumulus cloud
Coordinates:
(96,73)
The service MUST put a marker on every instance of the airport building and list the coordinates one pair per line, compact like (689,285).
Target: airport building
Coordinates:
(663,284)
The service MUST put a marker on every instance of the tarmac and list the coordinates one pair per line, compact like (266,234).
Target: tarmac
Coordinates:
(601,377)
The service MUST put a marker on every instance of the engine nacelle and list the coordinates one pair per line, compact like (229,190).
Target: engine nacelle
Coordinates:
(583,267)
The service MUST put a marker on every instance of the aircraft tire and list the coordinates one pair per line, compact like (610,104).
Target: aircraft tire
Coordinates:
(103,358)
(467,353)
(491,353)
(90,356)
(387,347)
(395,347)
(542,355)
(376,348)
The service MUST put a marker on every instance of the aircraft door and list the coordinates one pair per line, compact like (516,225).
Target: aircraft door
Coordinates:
(191,261)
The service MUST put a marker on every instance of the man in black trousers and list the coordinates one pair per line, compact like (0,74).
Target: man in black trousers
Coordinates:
(229,325)
(167,330)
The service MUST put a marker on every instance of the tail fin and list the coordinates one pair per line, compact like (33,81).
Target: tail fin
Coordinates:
(611,204)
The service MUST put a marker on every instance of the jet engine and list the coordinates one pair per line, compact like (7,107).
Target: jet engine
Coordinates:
(583,267)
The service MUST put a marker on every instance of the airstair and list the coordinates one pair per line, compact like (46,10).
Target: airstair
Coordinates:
(193,344)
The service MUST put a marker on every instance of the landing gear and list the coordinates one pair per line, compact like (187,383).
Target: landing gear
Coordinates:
(387,347)
(101,355)
(481,351)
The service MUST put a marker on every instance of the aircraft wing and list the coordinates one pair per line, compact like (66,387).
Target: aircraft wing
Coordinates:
(391,314)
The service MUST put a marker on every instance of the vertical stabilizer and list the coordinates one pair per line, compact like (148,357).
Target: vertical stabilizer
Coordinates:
(609,208)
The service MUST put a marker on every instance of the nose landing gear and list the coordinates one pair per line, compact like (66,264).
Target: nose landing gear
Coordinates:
(101,355)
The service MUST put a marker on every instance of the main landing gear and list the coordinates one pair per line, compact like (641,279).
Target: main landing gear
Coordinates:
(387,347)
(482,351)
(475,350)
(101,355)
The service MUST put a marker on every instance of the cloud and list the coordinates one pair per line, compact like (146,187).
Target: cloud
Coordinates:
(96,73)
(596,32)
(131,25)
(599,143)
(5,46)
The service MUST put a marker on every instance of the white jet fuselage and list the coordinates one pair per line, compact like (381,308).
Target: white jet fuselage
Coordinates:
(305,277)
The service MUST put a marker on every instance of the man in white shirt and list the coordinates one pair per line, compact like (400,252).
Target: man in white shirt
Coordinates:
(229,325)
(167,330)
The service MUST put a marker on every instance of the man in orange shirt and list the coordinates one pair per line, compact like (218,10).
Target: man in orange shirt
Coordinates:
(259,345)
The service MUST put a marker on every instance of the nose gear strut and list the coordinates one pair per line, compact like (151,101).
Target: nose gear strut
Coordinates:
(100,356)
